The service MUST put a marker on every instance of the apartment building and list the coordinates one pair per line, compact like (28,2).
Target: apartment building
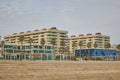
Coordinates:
(97,37)
(37,35)
(53,32)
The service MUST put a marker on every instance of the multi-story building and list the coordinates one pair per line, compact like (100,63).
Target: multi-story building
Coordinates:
(37,35)
(97,37)
(12,41)
(14,52)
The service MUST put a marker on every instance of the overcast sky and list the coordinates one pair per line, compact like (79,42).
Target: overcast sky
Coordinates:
(75,16)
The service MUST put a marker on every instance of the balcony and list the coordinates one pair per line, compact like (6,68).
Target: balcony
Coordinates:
(65,37)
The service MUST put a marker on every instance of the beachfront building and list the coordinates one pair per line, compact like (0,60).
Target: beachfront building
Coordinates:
(37,35)
(97,38)
(103,54)
(15,49)
(63,45)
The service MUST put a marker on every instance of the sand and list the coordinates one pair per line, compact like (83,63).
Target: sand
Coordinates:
(59,70)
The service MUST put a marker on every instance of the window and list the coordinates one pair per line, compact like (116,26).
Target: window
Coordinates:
(48,47)
(40,47)
(42,35)
(36,47)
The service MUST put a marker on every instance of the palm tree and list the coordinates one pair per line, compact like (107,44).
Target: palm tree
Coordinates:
(118,47)
(60,52)
(89,46)
(42,42)
(21,39)
(80,45)
(74,45)
(67,51)
(107,46)
(30,41)
(53,42)
(2,45)
(95,46)
(62,44)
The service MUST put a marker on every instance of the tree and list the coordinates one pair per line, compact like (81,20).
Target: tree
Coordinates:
(95,46)
(30,41)
(74,45)
(80,45)
(53,42)
(67,51)
(118,46)
(60,51)
(21,39)
(42,42)
(89,46)
(2,45)
(107,46)
(62,44)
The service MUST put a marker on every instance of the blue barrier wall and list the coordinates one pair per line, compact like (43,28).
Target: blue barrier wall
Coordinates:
(96,52)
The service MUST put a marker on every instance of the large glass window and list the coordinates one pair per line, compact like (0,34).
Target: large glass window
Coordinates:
(36,47)
(28,47)
(48,52)
(40,47)
(48,47)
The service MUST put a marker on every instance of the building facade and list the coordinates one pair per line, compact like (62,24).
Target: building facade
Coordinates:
(104,54)
(12,41)
(37,35)
(97,38)
(14,51)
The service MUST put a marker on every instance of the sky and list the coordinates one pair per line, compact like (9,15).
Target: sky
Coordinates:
(75,16)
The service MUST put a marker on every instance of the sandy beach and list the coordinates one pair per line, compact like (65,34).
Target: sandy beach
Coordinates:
(59,70)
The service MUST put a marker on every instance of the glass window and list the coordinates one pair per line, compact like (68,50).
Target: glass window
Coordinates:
(36,47)
(40,47)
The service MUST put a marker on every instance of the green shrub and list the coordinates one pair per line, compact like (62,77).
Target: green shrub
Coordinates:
(84,58)
(74,57)
(58,57)
(98,58)
(93,59)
